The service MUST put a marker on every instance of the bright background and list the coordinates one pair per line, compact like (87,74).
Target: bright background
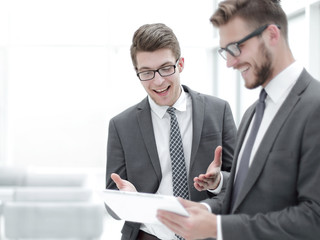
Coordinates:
(65,70)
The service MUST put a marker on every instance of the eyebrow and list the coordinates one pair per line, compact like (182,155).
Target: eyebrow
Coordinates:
(162,65)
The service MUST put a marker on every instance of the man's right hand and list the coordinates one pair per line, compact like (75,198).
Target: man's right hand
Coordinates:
(123,185)
(199,225)
(211,179)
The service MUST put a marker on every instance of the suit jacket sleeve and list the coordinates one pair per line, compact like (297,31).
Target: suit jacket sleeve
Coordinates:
(115,156)
(131,149)
(228,139)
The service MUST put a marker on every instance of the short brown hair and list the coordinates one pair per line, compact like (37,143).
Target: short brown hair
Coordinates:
(151,37)
(255,12)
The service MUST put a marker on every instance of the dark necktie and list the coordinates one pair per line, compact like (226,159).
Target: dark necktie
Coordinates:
(179,170)
(244,162)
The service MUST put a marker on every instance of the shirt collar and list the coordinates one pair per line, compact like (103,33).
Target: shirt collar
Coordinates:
(283,81)
(180,105)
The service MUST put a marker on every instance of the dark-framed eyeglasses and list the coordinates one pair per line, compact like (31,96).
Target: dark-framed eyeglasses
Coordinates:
(234,48)
(163,72)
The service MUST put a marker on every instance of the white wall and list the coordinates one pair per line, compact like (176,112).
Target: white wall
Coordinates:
(65,70)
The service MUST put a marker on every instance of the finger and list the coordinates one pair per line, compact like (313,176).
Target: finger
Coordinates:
(200,184)
(203,183)
(199,179)
(197,183)
(186,203)
(209,176)
(198,187)
(117,179)
(169,219)
(206,177)
(218,156)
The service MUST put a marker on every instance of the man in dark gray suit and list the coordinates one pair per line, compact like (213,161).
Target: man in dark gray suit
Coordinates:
(279,197)
(138,141)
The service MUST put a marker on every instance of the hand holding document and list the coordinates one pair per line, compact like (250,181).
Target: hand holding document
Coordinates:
(140,207)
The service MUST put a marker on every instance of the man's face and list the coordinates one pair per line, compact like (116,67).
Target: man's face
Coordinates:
(255,60)
(163,90)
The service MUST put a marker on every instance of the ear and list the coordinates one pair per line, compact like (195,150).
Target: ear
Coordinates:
(274,34)
(181,64)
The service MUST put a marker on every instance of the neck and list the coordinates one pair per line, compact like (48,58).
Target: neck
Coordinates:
(281,61)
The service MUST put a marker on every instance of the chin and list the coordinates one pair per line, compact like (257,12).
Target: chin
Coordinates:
(251,84)
(160,102)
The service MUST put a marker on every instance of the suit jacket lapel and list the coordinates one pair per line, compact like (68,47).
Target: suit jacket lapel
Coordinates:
(271,134)
(197,121)
(146,128)
(240,138)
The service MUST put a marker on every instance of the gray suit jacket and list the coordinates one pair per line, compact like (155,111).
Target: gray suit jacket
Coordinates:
(281,195)
(132,151)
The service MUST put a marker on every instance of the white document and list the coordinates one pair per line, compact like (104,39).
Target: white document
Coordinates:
(140,207)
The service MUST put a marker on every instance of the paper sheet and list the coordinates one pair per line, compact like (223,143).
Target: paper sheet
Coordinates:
(140,207)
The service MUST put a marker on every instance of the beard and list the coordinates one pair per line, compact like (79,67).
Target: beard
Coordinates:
(263,72)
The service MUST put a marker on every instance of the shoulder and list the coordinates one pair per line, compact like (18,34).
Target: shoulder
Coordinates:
(131,112)
(308,88)
(205,98)
(313,88)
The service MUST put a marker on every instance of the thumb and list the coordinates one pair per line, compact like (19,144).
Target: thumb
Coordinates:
(218,157)
(185,203)
(117,179)
(189,204)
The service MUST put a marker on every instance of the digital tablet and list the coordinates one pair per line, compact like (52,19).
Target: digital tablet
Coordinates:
(140,207)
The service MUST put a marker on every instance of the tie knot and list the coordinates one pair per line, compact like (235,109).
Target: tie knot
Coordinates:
(171,110)
(263,95)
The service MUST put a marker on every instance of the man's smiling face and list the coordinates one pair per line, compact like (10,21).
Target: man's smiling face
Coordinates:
(255,60)
(163,90)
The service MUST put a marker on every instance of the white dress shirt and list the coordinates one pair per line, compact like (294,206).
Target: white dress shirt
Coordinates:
(161,128)
(277,89)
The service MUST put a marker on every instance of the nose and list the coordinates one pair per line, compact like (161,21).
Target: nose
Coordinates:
(158,79)
(231,60)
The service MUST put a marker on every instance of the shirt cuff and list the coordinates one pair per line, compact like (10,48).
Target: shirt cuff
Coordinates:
(207,205)
(218,189)
(219,228)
